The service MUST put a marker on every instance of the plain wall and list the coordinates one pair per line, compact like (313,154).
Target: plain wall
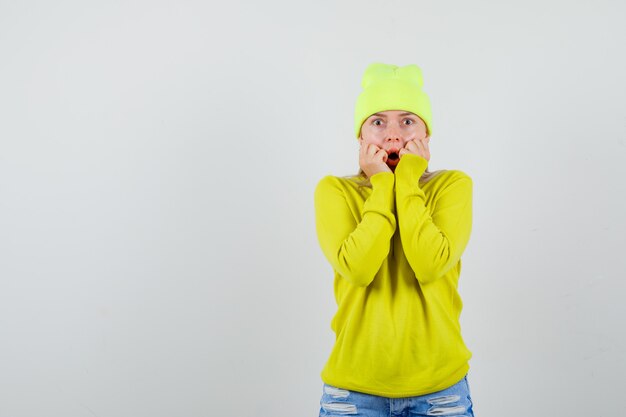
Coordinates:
(157,167)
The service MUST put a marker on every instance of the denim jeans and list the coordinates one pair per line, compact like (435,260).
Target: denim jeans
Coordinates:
(450,402)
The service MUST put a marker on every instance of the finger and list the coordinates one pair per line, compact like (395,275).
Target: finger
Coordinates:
(365,149)
(412,146)
(368,151)
(373,149)
(420,146)
(424,150)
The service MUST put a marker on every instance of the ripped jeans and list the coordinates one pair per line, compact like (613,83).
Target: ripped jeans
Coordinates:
(454,401)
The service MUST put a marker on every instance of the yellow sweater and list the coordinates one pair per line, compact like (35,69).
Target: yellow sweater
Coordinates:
(396,251)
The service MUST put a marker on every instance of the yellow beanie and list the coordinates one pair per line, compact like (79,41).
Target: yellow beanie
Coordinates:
(389,87)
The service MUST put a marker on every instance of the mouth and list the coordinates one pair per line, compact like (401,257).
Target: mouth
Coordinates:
(393,157)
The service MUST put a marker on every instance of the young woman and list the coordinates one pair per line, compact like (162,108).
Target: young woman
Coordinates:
(394,235)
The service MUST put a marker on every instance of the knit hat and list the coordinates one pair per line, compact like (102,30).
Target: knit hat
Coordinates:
(389,87)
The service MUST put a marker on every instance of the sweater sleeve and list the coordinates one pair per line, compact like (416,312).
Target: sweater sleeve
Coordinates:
(355,250)
(432,244)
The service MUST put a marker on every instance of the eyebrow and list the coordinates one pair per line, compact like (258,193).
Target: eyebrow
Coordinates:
(401,114)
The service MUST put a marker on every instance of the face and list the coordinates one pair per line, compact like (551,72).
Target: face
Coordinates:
(391,130)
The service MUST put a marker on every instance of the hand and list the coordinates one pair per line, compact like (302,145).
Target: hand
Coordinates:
(417,147)
(372,159)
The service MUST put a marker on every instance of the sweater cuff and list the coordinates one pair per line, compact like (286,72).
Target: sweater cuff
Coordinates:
(410,168)
(382,199)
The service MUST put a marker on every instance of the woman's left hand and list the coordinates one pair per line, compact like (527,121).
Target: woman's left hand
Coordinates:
(417,147)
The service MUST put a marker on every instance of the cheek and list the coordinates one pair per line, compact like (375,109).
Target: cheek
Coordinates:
(373,136)
(371,142)
(421,132)
(418,134)
(370,137)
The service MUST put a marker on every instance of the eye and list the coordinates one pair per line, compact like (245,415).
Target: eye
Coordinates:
(410,120)
(376,120)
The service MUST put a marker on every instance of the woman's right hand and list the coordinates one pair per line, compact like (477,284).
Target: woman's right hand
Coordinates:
(372,159)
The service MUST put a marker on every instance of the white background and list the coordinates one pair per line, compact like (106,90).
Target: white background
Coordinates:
(157,167)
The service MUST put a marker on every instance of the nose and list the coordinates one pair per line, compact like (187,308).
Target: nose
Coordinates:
(393,136)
